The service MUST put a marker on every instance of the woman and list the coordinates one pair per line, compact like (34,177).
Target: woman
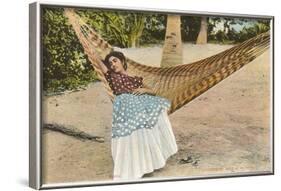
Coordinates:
(142,137)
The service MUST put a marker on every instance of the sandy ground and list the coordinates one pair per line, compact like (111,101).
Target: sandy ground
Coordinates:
(225,130)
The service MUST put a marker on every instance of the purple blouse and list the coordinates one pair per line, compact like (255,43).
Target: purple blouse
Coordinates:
(122,83)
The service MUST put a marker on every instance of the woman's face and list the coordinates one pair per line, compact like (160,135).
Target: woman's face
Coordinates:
(116,64)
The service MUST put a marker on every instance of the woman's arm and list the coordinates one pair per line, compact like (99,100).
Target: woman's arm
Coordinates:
(103,68)
(144,89)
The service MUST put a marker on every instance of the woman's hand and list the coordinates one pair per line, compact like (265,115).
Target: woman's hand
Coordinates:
(140,91)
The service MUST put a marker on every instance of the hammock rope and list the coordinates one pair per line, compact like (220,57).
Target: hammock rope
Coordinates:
(180,84)
(89,40)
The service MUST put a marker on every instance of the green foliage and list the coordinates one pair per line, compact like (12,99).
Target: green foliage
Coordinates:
(122,29)
(221,36)
(190,27)
(65,66)
(229,34)
(154,30)
(249,32)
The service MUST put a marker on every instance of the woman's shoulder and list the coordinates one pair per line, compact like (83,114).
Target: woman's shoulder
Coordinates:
(110,74)
(107,75)
(113,75)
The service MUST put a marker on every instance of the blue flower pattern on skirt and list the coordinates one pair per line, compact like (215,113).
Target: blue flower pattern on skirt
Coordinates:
(132,112)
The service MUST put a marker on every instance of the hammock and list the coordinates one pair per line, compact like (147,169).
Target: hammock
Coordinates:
(180,84)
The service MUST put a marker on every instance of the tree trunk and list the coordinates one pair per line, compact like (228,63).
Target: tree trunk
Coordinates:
(202,36)
(132,42)
(172,50)
(136,31)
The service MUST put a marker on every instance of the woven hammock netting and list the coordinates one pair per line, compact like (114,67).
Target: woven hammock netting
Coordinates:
(180,84)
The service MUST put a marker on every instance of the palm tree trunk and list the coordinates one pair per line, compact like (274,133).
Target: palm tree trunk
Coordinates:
(202,36)
(172,50)
(136,31)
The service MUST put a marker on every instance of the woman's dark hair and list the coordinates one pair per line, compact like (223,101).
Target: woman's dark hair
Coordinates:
(118,55)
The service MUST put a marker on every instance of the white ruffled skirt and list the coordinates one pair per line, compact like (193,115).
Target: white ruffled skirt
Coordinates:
(144,150)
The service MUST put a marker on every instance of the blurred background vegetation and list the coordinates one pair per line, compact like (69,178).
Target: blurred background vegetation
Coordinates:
(66,67)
